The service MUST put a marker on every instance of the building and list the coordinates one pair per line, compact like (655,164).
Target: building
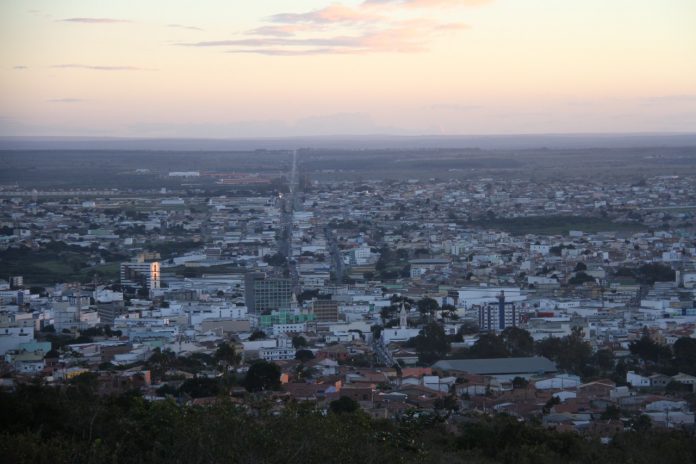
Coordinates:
(401,333)
(277,354)
(282,317)
(11,338)
(108,312)
(16,282)
(501,368)
(325,310)
(184,174)
(278,329)
(498,317)
(263,294)
(140,275)
(66,316)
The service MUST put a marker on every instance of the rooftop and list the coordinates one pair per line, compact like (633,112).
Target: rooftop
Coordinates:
(498,365)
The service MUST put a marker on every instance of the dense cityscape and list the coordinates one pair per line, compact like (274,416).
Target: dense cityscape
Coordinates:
(567,305)
(348,231)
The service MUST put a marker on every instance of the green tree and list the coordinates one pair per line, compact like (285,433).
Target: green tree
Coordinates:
(376,330)
(160,362)
(262,375)
(674,387)
(431,343)
(387,313)
(277,260)
(654,272)
(642,424)
(304,355)
(571,353)
(648,350)
(518,342)
(685,355)
(227,355)
(343,405)
(468,328)
(166,390)
(447,403)
(548,347)
(201,387)
(489,345)
(519,382)
(449,311)
(42,424)
(298,341)
(611,413)
(427,307)
(603,360)
(257,335)
(580,278)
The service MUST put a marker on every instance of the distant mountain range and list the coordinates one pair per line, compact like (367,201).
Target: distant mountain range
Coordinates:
(356,142)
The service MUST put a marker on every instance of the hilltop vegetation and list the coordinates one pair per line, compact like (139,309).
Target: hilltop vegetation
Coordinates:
(73,425)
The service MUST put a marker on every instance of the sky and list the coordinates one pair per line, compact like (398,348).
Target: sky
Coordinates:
(270,68)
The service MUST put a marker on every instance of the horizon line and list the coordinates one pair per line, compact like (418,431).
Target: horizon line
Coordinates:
(352,136)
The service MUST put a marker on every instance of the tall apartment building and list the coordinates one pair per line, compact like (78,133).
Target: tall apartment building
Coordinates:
(140,275)
(325,310)
(264,294)
(498,317)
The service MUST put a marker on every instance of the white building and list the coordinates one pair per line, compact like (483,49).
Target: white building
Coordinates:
(637,380)
(12,337)
(277,354)
(484,295)
(184,174)
(401,333)
(278,329)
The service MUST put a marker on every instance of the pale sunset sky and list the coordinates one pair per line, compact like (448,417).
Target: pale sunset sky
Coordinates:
(230,68)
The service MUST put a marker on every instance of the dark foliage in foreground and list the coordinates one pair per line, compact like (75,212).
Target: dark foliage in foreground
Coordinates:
(40,424)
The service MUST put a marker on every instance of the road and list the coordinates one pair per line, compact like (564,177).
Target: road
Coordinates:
(337,265)
(384,356)
(289,205)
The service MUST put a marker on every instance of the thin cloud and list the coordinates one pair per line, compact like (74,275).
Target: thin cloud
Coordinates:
(99,68)
(183,26)
(339,29)
(453,107)
(40,14)
(65,100)
(451,27)
(302,52)
(389,40)
(280,30)
(400,38)
(426,3)
(344,41)
(331,14)
(94,20)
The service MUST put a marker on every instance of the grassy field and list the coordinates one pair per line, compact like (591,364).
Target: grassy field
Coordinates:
(48,267)
(199,271)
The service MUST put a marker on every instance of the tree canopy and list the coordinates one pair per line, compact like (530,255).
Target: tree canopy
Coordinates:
(343,405)
(262,375)
(431,343)
(73,425)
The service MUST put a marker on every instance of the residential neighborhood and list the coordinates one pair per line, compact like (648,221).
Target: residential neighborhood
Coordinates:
(569,303)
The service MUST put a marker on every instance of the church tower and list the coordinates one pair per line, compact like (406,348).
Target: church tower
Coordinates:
(403,318)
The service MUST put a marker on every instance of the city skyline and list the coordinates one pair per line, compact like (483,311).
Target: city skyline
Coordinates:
(410,67)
